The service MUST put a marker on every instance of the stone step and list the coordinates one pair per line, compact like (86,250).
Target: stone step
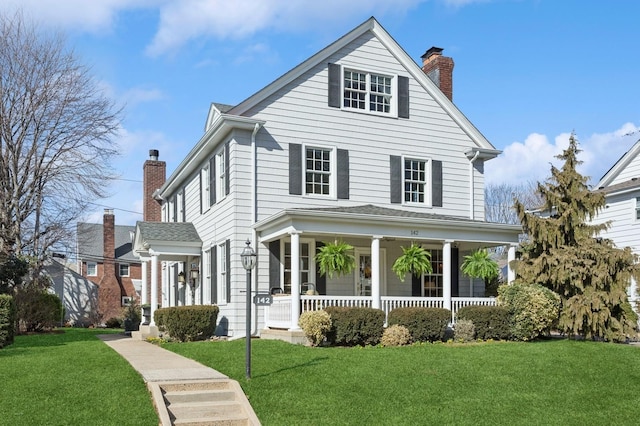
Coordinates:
(229,420)
(174,397)
(191,410)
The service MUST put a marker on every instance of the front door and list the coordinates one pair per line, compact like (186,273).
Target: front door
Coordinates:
(363,272)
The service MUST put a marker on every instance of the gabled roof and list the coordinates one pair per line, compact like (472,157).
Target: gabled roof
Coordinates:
(370,25)
(91,242)
(630,185)
(619,166)
(174,238)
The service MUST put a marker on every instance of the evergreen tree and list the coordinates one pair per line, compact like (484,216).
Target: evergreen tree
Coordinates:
(565,254)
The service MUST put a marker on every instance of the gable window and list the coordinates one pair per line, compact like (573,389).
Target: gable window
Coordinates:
(123,269)
(318,171)
(367,91)
(92,269)
(415,180)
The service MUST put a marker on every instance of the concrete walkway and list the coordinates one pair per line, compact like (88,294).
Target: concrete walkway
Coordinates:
(156,364)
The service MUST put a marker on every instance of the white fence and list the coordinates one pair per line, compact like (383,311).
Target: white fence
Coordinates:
(278,315)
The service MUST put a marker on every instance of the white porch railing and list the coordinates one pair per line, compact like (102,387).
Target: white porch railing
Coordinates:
(278,315)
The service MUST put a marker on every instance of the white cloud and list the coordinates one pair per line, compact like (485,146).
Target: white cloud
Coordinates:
(530,160)
(138,95)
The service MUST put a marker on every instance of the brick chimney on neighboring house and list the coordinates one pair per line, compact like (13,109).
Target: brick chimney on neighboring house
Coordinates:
(439,69)
(154,174)
(109,289)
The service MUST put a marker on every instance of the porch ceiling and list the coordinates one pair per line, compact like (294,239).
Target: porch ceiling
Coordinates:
(369,220)
(167,240)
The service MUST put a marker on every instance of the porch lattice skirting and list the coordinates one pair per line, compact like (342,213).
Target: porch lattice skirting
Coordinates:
(278,315)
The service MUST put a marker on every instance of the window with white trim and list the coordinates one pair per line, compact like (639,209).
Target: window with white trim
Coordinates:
(92,269)
(123,269)
(222,273)
(204,188)
(368,91)
(637,208)
(318,168)
(206,276)
(415,181)
(305,265)
(221,175)
(432,283)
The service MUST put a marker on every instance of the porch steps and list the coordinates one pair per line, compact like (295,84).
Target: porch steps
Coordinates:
(291,336)
(202,402)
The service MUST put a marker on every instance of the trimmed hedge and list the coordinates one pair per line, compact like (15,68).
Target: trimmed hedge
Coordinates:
(424,324)
(188,323)
(355,326)
(490,322)
(7,320)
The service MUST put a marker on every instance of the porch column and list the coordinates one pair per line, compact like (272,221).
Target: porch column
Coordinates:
(295,280)
(154,287)
(144,293)
(375,272)
(446,274)
(511,255)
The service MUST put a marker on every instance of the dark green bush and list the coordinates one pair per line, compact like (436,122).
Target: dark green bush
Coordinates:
(424,324)
(7,320)
(355,326)
(159,317)
(37,310)
(534,309)
(188,323)
(113,322)
(490,322)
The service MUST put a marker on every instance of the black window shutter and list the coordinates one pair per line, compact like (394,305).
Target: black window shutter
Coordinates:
(321,281)
(395,165)
(274,264)
(295,169)
(416,283)
(334,85)
(436,183)
(184,205)
(226,169)
(200,193)
(212,180)
(455,291)
(214,274)
(227,248)
(343,174)
(403,97)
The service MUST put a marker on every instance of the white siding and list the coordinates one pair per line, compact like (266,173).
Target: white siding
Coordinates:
(632,170)
(624,229)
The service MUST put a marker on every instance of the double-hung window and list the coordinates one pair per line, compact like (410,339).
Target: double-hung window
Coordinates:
(305,265)
(637,213)
(368,91)
(204,189)
(433,282)
(222,176)
(222,273)
(415,180)
(318,171)
(123,269)
(92,269)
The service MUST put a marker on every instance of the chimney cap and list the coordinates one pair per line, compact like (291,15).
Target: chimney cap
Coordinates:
(432,51)
(108,212)
(154,154)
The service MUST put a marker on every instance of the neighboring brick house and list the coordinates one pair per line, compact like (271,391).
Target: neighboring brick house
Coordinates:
(105,257)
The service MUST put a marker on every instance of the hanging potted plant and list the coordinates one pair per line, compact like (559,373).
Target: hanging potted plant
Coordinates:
(335,258)
(479,264)
(414,259)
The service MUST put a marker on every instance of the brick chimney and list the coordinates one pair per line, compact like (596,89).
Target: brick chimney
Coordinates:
(154,175)
(439,69)
(109,291)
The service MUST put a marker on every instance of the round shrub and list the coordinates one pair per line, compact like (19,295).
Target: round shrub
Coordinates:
(396,335)
(424,324)
(37,309)
(316,325)
(464,331)
(113,322)
(534,309)
(490,322)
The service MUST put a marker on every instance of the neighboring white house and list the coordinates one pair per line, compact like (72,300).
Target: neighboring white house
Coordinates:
(621,186)
(356,143)
(79,295)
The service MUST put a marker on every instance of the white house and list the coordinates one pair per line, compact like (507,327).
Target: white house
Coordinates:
(357,143)
(621,186)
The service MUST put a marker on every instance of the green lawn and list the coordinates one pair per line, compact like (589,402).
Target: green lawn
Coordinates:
(70,378)
(556,382)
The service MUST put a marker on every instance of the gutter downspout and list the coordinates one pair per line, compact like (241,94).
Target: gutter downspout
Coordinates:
(473,184)
(254,219)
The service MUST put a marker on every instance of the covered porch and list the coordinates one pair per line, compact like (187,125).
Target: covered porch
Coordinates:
(377,234)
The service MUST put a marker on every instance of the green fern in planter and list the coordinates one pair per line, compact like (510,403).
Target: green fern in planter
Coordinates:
(480,265)
(335,258)
(415,260)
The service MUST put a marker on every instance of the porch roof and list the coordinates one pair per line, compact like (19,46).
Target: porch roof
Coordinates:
(370,220)
(171,240)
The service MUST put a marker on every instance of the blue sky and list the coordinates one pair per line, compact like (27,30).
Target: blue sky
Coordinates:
(527,72)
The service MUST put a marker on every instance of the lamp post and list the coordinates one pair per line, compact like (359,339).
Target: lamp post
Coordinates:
(194,273)
(248,257)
